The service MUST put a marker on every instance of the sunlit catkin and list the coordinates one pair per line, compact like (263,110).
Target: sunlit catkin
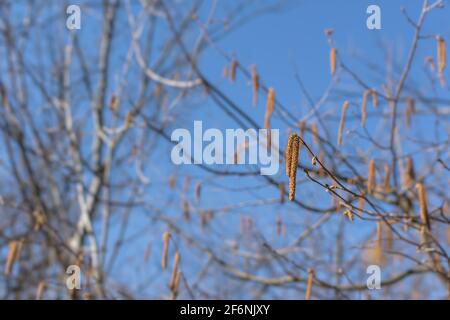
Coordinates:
(441,53)
(364,108)
(255,85)
(423,205)
(12,256)
(287,154)
(293,164)
(410,109)
(315,133)
(302,127)
(173,278)
(166,238)
(371,177)
(409,174)
(342,122)
(309,284)
(333,54)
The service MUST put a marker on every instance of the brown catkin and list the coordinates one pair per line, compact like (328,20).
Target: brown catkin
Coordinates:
(387,177)
(315,133)
(166,238)
(441,54)
(371,177)
(342,122)
(186,210)
(423,205)
(173,278)
(233,66)
(410,109)
(374,95)
(282,189)
(171,182)
(287,154)
(225,72)
(409,175)
(40,290)
(255,85)
(333,54)
(302,126)
(12,256)
(378,251)
(270,107)
(388,235)
(176,285)
(364,108)
(309,284)
(198,191)
(293,164)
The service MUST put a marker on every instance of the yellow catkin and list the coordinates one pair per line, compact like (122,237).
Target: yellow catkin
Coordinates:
(233,66)
(173,278)
(371,177)
(255,85)
(410,109)
(309,284)
(315,133)
(293,163)
(198,191)
(441,53)
(364,108)
(333,53)
(342,122)
(387,177)
(287,154)
(378,251)
(40,290)
(12,256)
(409,175)
(374,95)
(166,238)
(423,205)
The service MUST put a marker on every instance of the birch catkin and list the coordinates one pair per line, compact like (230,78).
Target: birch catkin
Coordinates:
(364,108)
(40,290)
(371,177)
(166,238)
(293,164)
(287,155)
(173,278)
(333,53)
(309,284)
(270,107)
(255,85)
(423,205)
(315,133)
(441,54)
(387,177)
(342,122)
(233,66)
(12,256)
(374,95)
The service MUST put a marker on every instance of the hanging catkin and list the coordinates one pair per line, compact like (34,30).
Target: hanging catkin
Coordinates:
(342,122)
(302,126)
(441,53)
(173,278)
(309,284)
(166,238)
(333,53)
(387,176)
(371,177)
(409,175)
(293,164)
(423,205)
(410,109)
(255,85)
(270,107)
(364,108)
(374,95)
(40,290)
(315,133)
(287,154)
(12,256)
(233,66)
